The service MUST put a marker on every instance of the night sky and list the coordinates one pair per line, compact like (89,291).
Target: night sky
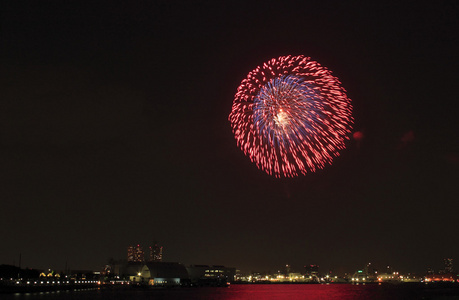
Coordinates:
(114,131)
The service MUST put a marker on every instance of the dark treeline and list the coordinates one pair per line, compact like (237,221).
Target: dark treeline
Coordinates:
(9,271)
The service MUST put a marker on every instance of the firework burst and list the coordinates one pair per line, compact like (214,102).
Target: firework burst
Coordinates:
(291,116)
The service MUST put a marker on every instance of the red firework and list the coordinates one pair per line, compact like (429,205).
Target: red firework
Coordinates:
(291,116)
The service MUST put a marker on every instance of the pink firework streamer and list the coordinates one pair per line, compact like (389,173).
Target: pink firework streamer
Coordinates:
(291,116)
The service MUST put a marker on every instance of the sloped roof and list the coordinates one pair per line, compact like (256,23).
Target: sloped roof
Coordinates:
(167,270)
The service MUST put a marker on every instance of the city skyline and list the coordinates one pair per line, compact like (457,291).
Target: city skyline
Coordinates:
(114,130)
(136,255)
(135,261)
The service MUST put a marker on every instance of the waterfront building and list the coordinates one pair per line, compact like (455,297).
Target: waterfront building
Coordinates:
(210,275)
(359,276)
(295,277)
(441,277)
(160,274)
(311,272)
(393,277)
(131,269)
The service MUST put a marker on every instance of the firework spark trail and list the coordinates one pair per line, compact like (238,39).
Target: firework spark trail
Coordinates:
(291,116)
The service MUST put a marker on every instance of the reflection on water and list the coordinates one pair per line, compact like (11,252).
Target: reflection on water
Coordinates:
(258,291)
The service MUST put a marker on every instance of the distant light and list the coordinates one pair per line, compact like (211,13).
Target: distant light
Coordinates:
(358,136)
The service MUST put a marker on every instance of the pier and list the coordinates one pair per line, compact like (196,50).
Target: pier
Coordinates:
(11,285)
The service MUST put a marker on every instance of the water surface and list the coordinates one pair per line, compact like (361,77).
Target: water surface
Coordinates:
(257,291)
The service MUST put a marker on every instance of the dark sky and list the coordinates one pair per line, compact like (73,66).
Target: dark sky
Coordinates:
(114,130)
